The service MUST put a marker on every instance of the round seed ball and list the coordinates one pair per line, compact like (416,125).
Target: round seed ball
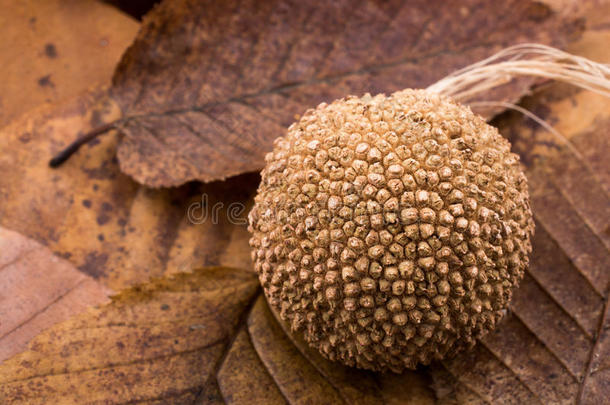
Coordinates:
(391,230)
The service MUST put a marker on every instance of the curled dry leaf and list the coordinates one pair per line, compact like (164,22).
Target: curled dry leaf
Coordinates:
(207,86)
(60,291)
(101,221)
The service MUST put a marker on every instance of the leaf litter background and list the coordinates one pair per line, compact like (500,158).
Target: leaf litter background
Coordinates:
(71,236)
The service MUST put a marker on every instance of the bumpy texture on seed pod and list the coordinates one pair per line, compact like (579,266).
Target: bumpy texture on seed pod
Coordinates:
(391,231)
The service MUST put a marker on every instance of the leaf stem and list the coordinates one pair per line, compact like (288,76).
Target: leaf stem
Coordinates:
(65,154)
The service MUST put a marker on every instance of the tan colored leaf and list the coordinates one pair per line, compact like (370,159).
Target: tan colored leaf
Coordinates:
(98,219)
(207,86)
(304,376)
(243,375)
(157,343)
(61,290)
(54,50)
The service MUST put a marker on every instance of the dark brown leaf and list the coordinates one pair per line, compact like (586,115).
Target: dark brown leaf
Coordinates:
(207,86)
(552,348)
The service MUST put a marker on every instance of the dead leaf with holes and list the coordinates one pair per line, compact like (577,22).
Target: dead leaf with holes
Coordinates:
(206,87)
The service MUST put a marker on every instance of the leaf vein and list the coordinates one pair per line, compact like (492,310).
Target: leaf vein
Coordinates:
(600,328)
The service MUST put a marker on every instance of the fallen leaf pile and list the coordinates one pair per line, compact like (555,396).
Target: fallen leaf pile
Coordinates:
(200,95)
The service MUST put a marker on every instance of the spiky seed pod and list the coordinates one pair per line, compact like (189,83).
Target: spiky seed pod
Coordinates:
(391,231)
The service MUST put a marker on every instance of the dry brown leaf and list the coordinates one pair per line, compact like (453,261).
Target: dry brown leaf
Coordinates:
(60,291)
(207,86)
(304,376)
(100,221)
(105,224)
(158,342)
(54,50)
